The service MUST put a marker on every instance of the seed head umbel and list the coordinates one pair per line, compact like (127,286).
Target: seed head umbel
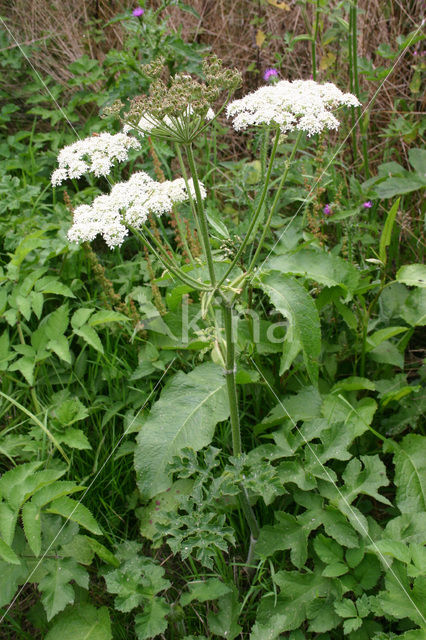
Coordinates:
(179,110)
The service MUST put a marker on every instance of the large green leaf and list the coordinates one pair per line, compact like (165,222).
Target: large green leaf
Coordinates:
(185,416)
(410,473)
(82,622)
(202,590)
(316,265)
(55,586)
(76,512)
(398,186)
(152,621)
(290,609)
(292,300)
(224,623)
(412,274)
(401,600)
(287,533)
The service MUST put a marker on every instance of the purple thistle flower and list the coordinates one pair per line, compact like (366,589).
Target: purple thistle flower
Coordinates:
(327,210)
(270,73)
(138,12)
(367,205)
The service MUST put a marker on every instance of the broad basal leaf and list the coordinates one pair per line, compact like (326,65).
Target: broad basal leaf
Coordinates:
(185,416)
(293,301)
(90,336)
(82,622)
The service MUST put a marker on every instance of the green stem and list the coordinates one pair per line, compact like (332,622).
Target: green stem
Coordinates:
(314,43)
(274,204)
(356,88)
(201,214)
(256,214)
(166,261)
(230,380)
(351,80)
(185,177)
(235,423)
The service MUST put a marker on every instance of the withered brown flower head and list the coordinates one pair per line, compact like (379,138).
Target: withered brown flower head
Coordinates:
(179,110)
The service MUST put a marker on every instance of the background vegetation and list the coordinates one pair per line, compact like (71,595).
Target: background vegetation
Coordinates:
(85,348)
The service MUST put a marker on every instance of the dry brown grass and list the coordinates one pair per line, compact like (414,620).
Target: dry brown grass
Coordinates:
(67,29)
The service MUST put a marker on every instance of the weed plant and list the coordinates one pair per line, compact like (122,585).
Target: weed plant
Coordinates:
(211,423)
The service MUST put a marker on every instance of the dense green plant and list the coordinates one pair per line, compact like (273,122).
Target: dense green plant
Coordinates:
(308,520)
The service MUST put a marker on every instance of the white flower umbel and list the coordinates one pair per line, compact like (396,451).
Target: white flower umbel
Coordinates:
(95,154)
(128,205)
(303,104)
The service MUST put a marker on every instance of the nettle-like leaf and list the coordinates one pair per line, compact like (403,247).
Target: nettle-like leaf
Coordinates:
(304,333)
(31,492)
(410,472)
(185,416)
(81,622)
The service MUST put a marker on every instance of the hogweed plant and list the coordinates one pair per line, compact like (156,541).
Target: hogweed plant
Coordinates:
(190,499)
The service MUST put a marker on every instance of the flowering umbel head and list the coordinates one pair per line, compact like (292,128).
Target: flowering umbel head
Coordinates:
(179,111)
(95,154)
(128,205)
(303,104)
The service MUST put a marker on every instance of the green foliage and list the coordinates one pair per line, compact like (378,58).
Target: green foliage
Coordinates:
(82,622)
(184,416)
(136,582)
(303,333)
(330,383)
